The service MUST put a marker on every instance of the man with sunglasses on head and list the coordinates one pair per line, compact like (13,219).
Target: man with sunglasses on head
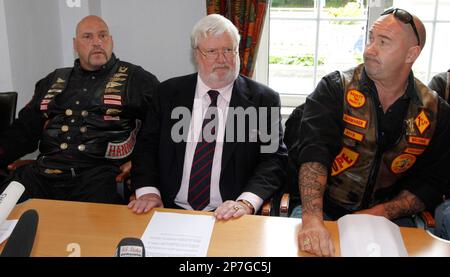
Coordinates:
(205,168)
(372,139)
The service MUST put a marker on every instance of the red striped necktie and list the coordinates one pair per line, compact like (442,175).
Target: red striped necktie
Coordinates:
(200,179)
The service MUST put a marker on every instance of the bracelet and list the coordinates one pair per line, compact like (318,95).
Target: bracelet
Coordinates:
(248,204)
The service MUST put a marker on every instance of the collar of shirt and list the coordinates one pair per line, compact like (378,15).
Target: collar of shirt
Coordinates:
(202,89)
(410,93)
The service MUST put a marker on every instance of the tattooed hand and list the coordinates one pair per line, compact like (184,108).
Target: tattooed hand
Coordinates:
(313,236)
(404,204)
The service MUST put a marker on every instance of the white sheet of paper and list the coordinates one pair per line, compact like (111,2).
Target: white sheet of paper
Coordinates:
(6,229)
(178,235)
(370,236)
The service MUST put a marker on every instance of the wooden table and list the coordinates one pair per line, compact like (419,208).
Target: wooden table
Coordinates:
(88,229)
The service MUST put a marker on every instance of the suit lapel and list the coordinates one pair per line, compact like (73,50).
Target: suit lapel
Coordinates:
(240,97)
(183,97)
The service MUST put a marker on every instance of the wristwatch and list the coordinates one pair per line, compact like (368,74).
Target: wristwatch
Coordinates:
(248,204)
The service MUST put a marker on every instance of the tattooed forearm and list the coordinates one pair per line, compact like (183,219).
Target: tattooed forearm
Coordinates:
(312,180)
(404,204)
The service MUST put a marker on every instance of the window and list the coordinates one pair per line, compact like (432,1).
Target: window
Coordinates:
(306,39)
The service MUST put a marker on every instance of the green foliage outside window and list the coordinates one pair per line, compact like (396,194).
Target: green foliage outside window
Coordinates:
(306,60)
(310,3)
(352,9)
(293,3)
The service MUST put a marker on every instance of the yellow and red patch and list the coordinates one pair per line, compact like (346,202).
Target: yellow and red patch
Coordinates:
(418,140)
(422,122)
(353,135)
(402,163)
(414,151)
(361,123)
(346,159)
(355,98)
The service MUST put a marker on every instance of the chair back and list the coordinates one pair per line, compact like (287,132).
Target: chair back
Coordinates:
(8,104)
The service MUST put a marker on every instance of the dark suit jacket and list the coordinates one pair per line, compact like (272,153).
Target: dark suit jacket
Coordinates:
(158,161)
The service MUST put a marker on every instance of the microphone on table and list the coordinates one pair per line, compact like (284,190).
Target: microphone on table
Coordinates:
(22,237)
(130,247)
(9,198)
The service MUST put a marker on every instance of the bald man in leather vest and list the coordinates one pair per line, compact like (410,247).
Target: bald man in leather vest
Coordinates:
(373,139)
(84,119)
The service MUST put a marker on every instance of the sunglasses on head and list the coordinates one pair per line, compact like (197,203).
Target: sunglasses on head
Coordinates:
(404,17)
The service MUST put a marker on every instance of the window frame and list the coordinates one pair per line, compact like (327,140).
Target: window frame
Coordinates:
(375,8)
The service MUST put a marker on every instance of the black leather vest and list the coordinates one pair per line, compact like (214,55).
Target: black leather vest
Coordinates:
(102,128)
(361,174)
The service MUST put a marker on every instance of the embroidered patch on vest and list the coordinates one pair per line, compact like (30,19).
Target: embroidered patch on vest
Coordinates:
(111,118)
(414,151)
(422,122)
(346,159)
(118,75)
(418,140)
(117,79)
(113,97)
(402,163)
(57,86)
(112,90)
(113,111)
(409,124)
(112,102)
(52,171)
(121,150)
(113,85)
(353,135)
(54,90)
(355,98)
(361,123)
(123,69)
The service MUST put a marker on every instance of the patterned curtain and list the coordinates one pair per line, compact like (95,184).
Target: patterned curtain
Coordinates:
(248,16)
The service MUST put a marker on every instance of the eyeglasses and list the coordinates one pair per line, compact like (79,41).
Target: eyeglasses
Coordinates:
(213,54)
(404,17)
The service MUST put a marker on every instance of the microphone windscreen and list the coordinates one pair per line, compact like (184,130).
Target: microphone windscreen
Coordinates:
(9,198)
(130,247)
(22,237)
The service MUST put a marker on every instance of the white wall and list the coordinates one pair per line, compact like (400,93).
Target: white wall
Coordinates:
(5,68)
(34,42)
(69,17)
(154,33)
(36,36)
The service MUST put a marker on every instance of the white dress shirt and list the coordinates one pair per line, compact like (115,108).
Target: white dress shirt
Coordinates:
(201,104)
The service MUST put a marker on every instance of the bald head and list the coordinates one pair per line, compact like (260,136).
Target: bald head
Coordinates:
(393,46)
(410,28)
(420,30)
(93,43)
(90,20)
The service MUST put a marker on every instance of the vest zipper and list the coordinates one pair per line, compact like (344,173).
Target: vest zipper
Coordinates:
(371,180)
